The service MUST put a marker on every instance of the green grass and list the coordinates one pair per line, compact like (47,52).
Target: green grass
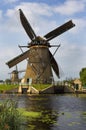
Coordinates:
(40,86)
(5,87)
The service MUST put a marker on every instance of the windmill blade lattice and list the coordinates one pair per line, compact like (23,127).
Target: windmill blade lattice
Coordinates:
(58,31)
(27,26)
(18,59)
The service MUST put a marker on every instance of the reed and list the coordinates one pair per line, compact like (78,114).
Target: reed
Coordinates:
(10,118)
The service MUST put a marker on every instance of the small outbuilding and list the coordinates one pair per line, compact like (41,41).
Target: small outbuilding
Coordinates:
(77,84)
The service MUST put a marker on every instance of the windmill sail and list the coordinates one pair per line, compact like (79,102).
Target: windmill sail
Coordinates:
(27,26)
(54,65)
(18,59)
(58,31)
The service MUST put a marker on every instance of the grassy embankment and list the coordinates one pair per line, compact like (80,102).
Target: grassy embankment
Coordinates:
(41,86)
(6,87)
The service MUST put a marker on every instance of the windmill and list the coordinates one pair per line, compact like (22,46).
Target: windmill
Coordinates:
(14,75)
(40,60)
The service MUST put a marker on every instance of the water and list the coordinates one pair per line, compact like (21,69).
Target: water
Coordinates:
(58,112)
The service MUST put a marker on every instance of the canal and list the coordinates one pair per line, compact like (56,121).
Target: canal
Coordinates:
(58,112)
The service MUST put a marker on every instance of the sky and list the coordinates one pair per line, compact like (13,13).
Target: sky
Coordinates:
(44,16)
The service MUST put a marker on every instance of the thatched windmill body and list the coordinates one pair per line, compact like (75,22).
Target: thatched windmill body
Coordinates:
(40,59)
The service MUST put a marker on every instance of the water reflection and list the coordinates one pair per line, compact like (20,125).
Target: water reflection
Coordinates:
(41,104)
(58,112)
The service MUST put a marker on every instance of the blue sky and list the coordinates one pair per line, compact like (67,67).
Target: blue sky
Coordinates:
(44,16)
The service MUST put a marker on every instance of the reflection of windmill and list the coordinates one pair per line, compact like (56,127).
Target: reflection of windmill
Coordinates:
(15,75)
(40,58)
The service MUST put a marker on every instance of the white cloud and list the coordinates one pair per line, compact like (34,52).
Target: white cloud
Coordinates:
(36,8)
(10,13)
(80,25)
(70,7)
(36,13)
(71,57)
(10,22)
(37,19)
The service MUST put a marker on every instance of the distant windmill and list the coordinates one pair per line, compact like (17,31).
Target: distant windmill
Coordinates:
(40,60)
(15,75)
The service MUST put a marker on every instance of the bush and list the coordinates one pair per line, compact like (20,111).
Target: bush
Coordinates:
(10,118)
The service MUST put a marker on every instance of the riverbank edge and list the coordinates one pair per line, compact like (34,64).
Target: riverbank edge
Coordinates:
(52,89)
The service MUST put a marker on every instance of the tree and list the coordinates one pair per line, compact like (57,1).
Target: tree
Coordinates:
(83,76)
(8,81)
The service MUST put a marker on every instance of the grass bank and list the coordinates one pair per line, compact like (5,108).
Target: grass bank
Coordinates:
(5,87)
(40,87)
